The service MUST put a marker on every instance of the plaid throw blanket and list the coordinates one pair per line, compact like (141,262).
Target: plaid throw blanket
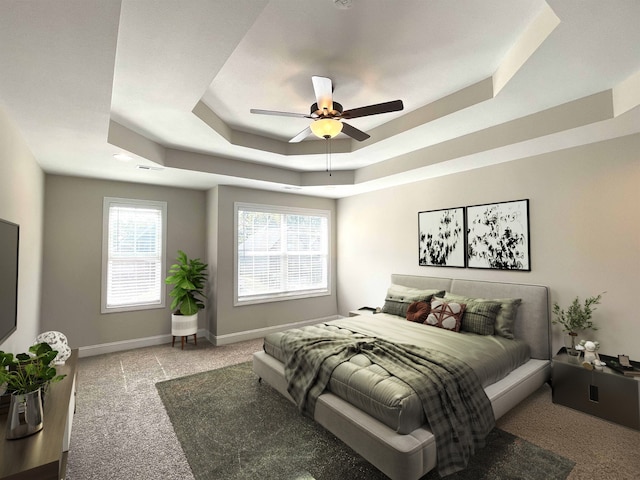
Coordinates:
(457,409)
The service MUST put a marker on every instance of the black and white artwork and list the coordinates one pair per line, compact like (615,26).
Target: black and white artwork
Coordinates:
(498,236)
(441,237)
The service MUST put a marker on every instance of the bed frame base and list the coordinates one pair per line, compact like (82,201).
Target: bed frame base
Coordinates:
(406,457)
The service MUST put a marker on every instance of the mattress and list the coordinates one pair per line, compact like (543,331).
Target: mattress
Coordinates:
(388,399)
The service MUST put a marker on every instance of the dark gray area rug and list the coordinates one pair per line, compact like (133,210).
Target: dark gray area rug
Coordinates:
(232,427)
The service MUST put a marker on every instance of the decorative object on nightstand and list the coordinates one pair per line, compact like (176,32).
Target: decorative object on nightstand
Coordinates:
(576,317)
(591,358)
(364,311)
(26,376)
(58,341)
(624,366)
(188,278)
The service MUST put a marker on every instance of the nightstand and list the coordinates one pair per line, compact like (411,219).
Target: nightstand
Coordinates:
(604,393)
(362,311)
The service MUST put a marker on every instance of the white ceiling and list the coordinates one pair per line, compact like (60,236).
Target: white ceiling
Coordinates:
(171,84)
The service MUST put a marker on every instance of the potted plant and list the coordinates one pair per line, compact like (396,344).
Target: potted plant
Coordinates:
(25,377)
(188,278)
(576,317)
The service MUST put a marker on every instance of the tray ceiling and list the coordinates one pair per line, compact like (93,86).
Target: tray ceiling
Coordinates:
(170,84)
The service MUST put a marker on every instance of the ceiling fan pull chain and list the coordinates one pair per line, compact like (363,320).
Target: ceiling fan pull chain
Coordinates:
(329,155)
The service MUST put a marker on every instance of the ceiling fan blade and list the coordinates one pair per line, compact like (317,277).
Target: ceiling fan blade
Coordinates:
(324,92)
(281,114)
(386,107)
(354,133)
(301,136)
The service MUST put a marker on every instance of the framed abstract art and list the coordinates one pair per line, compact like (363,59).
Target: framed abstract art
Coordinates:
(498,236)
(441,237)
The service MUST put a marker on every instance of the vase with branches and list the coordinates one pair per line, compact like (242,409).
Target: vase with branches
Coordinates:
(575,318)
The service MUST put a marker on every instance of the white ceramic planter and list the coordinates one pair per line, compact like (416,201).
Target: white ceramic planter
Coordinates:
(184,326)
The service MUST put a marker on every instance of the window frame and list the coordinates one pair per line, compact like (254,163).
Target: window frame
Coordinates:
(154,204)
(280,296)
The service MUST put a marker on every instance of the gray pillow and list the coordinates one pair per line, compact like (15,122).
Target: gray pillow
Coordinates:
(507,316)
(400,297)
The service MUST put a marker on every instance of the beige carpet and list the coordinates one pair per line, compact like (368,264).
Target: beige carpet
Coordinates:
(121,430)
(602,450)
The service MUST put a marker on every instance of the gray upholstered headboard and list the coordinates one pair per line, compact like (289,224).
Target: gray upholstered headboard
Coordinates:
(532,322)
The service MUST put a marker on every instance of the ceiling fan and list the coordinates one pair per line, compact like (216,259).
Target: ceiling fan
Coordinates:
(327,115)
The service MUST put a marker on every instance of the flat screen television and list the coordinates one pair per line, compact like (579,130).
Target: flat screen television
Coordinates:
(9,245)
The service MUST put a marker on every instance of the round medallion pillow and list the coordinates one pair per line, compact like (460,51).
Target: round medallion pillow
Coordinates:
(418,312)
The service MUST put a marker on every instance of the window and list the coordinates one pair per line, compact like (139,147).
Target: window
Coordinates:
(281,253)
(133,253)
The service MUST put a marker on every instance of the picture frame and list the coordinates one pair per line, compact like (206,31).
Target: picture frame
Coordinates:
(498,236)
(441,238)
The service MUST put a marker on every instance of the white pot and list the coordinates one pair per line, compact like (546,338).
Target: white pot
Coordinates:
(184,325)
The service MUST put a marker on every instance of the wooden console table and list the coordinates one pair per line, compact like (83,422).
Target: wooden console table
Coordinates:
(43,455)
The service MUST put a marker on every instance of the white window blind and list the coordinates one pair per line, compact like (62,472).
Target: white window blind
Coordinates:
(133,254)
(281,253)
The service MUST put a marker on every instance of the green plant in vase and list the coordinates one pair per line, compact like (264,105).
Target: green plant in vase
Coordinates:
(26,377)
(575,318)
(27,372)
(188,278)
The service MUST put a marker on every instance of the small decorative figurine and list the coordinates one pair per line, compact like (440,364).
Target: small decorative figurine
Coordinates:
(591,358)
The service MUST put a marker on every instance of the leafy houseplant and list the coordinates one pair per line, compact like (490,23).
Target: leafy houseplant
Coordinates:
(576,317)
(188,278)
(26,373)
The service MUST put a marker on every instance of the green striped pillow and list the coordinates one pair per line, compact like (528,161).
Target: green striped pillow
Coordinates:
(480,317)
(506,317)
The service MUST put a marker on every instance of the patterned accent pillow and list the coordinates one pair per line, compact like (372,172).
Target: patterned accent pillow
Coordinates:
(503,321)
(447,315)
(400,297)
(480,317)
(418,311)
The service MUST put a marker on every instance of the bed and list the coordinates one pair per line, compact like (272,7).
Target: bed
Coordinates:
(380,416)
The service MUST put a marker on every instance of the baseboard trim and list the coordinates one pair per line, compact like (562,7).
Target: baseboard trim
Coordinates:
(112,347)
(92,350)
(261,332)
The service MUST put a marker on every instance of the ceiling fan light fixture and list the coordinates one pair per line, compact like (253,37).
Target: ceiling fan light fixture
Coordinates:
(326,114)
(326,128)
(334,109)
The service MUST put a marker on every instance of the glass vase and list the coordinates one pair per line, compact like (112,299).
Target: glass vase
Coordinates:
(570,341)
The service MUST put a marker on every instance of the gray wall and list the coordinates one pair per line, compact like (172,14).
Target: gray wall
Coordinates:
(73,249)
(585,233)
(584,230)
(225,320)
(21,202)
